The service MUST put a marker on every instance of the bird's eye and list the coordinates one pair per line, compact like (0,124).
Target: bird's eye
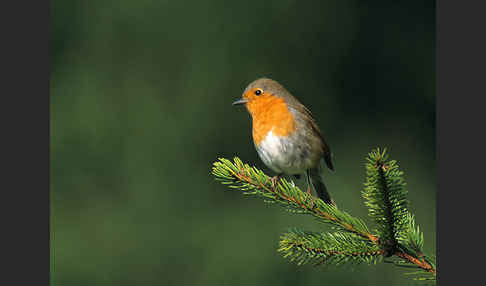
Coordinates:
(258,91)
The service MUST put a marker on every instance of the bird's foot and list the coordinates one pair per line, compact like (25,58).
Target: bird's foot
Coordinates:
(308,190)
(333,203)
(311,197)
(275,179)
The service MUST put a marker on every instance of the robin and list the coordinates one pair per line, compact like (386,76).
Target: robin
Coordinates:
(286,136)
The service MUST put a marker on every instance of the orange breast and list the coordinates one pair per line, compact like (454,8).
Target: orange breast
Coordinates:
(270,113)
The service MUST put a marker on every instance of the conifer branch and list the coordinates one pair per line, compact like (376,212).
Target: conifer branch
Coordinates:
(252,181)
(328,248)
(385,196)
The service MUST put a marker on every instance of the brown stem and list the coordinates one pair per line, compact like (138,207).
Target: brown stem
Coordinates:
(420,263)
(316,211)
(373,238)
(335,252)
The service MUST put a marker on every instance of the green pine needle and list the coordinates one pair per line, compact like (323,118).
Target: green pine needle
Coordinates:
(328,248)
(386,197)
(251,181)
(397,236)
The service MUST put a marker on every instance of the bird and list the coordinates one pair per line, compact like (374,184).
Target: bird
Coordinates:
(286,136)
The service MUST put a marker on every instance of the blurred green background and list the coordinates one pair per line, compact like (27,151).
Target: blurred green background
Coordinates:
(141,95)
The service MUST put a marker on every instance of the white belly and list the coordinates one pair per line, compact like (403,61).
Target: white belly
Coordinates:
(284,155)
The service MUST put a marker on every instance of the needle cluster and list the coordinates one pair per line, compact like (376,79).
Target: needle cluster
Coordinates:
(396,239)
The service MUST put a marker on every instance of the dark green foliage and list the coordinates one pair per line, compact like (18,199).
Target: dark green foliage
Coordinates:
(328,248)
(396,237)
(386,198)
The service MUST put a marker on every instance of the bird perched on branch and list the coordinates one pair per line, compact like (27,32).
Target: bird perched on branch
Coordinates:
(286,136)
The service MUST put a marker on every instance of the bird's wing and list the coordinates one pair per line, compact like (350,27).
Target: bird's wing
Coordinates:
(327,150)
(327,154)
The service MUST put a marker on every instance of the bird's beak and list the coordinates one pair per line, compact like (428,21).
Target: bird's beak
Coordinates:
(239,101)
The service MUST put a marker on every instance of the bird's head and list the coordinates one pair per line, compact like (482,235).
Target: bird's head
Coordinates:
(261,94)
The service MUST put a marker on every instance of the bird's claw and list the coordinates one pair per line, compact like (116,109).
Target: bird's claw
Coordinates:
(308,191)
(274,180)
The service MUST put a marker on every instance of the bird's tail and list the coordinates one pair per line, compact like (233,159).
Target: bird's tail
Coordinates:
(314,178)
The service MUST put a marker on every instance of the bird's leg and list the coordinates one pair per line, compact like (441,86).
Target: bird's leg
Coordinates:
(308,190)
(274,179)
(309,182)
(333,203)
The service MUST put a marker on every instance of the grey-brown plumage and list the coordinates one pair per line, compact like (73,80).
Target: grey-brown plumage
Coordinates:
(299,151)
